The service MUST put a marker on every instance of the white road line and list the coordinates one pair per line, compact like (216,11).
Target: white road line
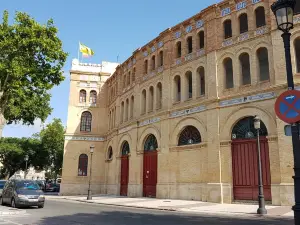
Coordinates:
(8,221)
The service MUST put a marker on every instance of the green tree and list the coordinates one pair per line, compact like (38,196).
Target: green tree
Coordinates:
(11,156)
(31,61)
(52,139)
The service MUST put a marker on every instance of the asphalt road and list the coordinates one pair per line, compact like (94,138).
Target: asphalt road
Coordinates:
(60,212)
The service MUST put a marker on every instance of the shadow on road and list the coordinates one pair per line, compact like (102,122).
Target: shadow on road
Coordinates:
(157,218)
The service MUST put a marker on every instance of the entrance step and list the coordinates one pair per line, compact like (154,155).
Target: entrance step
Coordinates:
(250,202)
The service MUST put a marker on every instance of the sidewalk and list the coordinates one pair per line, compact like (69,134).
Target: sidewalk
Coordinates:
(6,210)
(180,205)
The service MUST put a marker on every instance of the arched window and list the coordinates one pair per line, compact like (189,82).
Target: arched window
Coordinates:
(93,97)
(263,63)
(243,23)
(244,129)
(150,143)
(82,96)
(297,8)
(189,81)
(125,148)
(124,81)
(190,45)
(228,73)
(144,96)
(161,58)
(153,62)
(132,107)
(151,94)
(128,78)
(227,29)
(201,74)
(177,89)
(260,17)
(122,112)
(126,109)
(245,68)
(82,165)
(201,39)
(133,75)
(297,54)
(189,136)
(86,121)
(146,66)
(159,96)
(178,49)
(110,153)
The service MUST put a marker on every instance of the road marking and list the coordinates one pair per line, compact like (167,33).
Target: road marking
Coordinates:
(9,221)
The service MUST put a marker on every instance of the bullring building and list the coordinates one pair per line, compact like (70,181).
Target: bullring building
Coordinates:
(175,120)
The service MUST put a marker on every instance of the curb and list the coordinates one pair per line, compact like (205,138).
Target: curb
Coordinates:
(175,210)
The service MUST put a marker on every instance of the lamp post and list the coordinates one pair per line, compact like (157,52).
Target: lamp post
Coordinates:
(261,199)
(89,197)
(284,11)
(26,160)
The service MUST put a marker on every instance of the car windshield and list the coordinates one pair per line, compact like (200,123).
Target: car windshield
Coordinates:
(2,183)
(27,185)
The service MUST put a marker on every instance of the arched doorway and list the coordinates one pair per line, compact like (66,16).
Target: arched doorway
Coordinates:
(245,163)
(150,167)
(124,168)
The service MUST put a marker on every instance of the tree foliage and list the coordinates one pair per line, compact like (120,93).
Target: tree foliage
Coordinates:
(44,150)
(31,61)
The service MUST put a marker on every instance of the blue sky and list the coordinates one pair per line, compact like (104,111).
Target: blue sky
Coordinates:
(110,28)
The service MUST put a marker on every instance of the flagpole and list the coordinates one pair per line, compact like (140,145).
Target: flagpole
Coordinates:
(78,51)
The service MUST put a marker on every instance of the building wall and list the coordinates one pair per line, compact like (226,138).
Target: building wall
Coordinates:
(196,172)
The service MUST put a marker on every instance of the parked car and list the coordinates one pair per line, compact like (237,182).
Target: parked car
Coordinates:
(2,183)
(42,184)
(53,187)
(18,193)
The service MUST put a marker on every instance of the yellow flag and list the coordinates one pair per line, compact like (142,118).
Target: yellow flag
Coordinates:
(86,51)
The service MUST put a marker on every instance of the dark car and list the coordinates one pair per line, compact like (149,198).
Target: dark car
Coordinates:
(18,193)
(53,187)
(42,184)
(2,183)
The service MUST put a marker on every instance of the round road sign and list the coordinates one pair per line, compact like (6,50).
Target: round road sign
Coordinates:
(287,106)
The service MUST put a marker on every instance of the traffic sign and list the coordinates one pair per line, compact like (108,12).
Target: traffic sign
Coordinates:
(287,106)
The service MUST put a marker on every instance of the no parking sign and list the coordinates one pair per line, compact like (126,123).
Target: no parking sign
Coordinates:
(287,106)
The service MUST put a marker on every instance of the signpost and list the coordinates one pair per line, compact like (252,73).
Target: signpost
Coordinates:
(287,106)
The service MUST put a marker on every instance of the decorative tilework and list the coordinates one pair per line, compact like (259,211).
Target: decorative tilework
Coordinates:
(188,111)
(188,29)
(160,69)
(150,121)
(145,53)
(246,99)
(178,61)
(260,31)
(188,57)
(255,1)
(225,11)
(200,52)
(227,42)
(153,49)
(241,5)
(83,138)
(160,44)
(199,23)
(177,34)
(243,37)
(297,19)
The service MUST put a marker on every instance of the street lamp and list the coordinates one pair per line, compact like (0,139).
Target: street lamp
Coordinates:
(89,197)
(26,160)
(261,199)
(284,11)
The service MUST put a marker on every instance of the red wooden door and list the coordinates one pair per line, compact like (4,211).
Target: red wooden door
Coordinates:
(124,175)
(150,174)
(245,169)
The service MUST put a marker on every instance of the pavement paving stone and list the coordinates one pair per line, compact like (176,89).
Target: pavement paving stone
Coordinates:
(182,205)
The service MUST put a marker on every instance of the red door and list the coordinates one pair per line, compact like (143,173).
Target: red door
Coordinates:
(124,175)
(150,174)
(245,169)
